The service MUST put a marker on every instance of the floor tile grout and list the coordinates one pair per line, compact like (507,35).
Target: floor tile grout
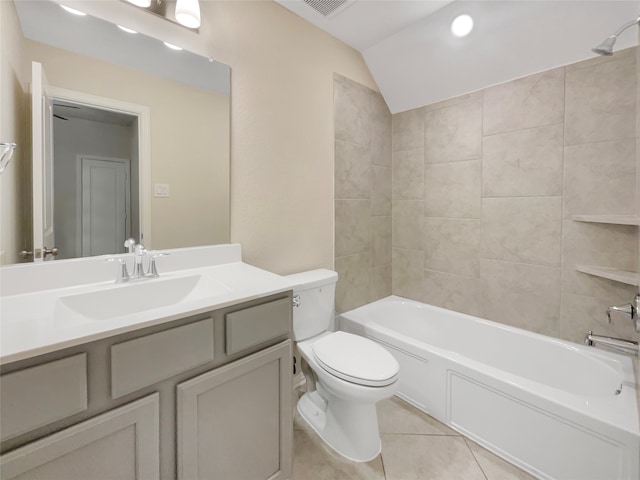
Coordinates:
(466,442)
(384,471)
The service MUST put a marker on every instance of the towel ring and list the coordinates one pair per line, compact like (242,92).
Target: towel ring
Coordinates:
(6,153)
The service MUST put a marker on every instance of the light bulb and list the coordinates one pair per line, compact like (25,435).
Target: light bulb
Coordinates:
(462,25)
(140,3)
(188,13)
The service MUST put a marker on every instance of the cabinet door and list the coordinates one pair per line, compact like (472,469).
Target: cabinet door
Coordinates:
(235,422)
(120,444)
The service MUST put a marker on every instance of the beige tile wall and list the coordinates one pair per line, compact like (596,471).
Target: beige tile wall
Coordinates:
(363,188)
(485,186)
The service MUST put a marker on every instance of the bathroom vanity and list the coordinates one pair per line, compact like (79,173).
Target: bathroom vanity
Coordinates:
(197,388)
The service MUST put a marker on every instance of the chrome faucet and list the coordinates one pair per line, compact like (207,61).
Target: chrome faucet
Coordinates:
(123,272)
(617,344)
(130,244)
(632,310)
(140,252)
(153,270)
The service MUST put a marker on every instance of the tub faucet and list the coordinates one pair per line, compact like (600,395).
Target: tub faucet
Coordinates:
(630,309)
(618,344)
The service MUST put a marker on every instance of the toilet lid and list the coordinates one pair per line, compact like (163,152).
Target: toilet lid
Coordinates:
(356,359)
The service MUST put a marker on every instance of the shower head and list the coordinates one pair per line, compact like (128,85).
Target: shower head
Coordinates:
(606,47)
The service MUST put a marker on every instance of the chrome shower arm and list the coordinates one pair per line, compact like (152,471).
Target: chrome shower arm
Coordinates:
(625,26)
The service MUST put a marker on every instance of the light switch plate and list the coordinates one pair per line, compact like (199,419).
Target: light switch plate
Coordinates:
(161,190)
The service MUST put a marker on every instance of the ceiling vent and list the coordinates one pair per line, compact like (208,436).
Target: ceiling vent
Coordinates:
(329,8)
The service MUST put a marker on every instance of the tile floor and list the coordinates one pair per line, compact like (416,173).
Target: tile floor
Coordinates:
(414,447)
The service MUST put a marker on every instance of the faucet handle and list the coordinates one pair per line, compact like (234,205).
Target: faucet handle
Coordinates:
(627,309)
(153,271)
(140,252)
(130,244)
(123,271)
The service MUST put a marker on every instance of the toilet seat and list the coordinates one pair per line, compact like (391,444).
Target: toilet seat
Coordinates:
(356,359)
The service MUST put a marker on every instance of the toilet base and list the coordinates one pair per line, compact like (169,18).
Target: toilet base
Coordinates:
(349,428)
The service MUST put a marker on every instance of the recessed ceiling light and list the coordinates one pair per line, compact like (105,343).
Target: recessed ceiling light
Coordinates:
(73,10)
(125,29)
(140,3)
(172,46)
(462,25)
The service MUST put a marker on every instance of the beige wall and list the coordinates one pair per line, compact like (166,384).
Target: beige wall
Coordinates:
(362,194)
(282,147)
(189,142)
(485,186)
(14,105)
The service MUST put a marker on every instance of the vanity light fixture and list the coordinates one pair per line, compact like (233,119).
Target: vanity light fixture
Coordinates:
(73,11)
(140,3)
(125,29)
(462,25)
(172,46)
(188,13)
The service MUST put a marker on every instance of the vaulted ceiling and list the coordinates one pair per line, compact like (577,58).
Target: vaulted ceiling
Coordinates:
(416,61)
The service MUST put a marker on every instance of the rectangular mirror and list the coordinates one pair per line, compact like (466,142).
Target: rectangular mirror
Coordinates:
(139,141)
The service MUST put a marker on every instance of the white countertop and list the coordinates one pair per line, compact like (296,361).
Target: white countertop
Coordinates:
(31,322)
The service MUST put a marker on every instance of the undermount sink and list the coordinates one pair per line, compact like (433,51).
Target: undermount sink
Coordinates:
(140,296)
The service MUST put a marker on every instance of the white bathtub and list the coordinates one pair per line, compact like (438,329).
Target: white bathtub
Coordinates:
(555,409)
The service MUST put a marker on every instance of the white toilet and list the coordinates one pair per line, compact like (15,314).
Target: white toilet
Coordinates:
(350,373)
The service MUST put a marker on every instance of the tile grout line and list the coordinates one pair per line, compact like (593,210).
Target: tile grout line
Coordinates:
(481,222)
(597,142)
(474,457)
(560,323)
(370,263)
(519,130)
(393,156)
(384,470)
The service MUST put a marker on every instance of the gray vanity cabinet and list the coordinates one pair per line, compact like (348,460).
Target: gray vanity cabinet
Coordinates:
(122,443)
(235,422)
(203,397)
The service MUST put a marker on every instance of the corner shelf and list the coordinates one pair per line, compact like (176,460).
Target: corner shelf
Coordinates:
(622,276)
(610,219)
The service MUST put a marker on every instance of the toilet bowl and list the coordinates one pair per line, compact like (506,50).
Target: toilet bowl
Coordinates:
(350,373)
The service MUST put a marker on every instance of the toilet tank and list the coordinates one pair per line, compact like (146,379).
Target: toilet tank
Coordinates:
(317,292)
